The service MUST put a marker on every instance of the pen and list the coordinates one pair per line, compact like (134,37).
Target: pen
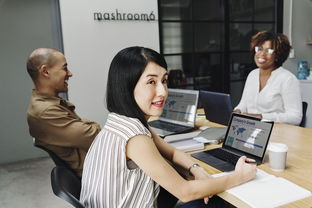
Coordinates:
(250,161)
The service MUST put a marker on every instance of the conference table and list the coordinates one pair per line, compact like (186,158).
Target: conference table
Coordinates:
(298,165)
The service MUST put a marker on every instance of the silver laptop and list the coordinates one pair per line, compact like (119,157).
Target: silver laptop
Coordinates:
(218,106)
(245,135)
(179,113)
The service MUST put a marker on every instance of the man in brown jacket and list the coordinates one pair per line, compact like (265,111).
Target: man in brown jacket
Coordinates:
(51,119)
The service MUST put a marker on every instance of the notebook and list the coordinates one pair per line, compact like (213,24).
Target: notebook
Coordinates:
(218,106)
(211,135)
(245,135)
(185,141)
(179,113)
(267,190)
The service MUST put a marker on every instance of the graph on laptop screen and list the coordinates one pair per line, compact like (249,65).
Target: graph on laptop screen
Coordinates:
(180,107)
(248,135)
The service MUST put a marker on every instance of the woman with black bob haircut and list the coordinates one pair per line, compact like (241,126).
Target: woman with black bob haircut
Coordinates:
(127,162)
(124,72)
(271,92)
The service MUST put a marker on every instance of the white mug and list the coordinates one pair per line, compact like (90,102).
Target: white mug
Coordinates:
(277,156)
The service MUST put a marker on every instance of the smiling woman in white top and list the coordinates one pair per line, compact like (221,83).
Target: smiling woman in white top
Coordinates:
(271,92)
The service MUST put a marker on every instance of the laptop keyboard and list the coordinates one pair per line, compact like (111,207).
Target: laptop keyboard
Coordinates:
(169,126)
(224,155)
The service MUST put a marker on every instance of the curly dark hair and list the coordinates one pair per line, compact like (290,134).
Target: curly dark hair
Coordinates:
(280,44)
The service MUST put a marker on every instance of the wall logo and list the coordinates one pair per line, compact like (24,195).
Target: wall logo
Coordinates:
(122,16)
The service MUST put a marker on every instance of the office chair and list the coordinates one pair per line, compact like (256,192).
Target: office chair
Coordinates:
(58,161)
(66,185)
(304,112)
(176,78)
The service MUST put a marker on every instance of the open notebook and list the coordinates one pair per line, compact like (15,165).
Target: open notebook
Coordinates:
(267,191)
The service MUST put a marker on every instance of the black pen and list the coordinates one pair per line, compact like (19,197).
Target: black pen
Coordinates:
(250,161)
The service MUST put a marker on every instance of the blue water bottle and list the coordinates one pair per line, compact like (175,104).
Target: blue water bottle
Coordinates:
(302,70)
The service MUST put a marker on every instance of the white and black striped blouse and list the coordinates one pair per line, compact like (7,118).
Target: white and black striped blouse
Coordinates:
(108,179)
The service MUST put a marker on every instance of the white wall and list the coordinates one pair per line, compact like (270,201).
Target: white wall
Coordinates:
(301,31)
(90,45)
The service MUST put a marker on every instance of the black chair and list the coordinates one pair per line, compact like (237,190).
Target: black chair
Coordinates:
(58,161)
(66,185)
(176,78)
(304,112)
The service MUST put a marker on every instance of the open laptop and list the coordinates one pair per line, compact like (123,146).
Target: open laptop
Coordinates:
(218,106)
(245,135)
(179,113)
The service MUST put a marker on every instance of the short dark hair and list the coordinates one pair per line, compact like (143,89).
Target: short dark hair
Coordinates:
(125,71)
(280,44)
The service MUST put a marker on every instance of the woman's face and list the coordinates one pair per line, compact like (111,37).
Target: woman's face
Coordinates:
(263,59)
(150,93)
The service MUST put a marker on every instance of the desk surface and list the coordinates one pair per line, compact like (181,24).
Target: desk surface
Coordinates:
(298,165)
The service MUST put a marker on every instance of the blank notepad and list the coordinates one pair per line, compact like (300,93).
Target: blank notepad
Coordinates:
(267,191)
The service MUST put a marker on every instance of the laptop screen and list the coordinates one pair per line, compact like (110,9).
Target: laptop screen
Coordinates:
(180,107)
(248,134)
(218,106)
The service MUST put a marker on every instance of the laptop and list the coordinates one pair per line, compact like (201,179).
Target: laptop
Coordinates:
(245,135)
(179,113)
(218,106)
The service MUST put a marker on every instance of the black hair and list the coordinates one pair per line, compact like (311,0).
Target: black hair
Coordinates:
(125,71)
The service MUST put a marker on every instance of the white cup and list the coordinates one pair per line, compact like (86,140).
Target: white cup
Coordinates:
(277,156)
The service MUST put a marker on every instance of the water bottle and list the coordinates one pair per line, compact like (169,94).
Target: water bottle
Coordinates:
(303,70)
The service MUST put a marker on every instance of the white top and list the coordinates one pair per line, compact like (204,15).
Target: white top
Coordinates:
(109,179)
(279,100)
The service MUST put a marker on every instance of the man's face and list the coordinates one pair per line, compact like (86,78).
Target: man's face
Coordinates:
(59,74)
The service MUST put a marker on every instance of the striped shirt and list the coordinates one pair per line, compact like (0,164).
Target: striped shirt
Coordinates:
(109,179)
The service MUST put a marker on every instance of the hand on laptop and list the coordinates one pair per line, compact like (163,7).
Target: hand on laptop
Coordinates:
(254,115)
(246,171)
(248,114)
(237,111)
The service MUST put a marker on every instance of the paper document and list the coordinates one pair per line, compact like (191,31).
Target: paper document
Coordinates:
(187,145)
(267,191)
(211,135)
(185,142)
(179,137)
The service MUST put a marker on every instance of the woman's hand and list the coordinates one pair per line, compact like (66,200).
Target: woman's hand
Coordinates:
(245,170)
(254,115)
(200,174)
(237,111)
(248,114)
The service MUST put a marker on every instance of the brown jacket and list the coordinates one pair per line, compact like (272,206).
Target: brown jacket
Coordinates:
(54,124)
